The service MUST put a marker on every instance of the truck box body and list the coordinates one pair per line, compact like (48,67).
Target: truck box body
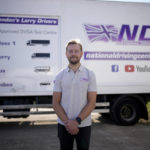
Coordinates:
(115,38)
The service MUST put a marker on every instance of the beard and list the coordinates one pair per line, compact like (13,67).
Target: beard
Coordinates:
(74,61)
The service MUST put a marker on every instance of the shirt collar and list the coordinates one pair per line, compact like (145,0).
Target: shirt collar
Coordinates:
(80,68)
(68,69)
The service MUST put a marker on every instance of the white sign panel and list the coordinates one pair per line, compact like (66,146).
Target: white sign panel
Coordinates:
(28,48)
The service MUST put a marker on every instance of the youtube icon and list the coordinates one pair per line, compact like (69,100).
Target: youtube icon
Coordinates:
(129,68)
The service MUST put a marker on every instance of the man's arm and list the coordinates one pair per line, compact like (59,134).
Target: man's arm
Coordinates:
(85,112)
(91,97)
(89,106)
(58,108)
(71,128)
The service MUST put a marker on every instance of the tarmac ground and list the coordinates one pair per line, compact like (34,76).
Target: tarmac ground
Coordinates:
(39,132)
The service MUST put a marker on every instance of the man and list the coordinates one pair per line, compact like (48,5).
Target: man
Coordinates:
(74,98)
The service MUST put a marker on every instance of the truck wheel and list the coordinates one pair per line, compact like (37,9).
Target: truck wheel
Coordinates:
(125,111)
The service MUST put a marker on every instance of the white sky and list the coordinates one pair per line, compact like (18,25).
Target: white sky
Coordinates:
(145,1)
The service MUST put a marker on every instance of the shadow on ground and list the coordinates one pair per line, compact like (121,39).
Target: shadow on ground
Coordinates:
(107,120)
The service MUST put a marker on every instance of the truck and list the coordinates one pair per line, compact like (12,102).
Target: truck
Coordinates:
(116,46)
(34,42)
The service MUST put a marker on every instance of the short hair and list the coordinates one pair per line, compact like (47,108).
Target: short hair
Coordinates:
(74,42)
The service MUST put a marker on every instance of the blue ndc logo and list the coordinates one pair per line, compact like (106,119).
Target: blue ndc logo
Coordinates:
(115,68)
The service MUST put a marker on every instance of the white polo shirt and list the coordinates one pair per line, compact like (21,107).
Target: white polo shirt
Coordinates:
(74,88)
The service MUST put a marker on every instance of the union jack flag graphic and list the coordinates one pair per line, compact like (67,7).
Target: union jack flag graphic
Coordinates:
(101,32)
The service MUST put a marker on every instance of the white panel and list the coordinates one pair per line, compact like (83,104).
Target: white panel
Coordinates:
(28,51)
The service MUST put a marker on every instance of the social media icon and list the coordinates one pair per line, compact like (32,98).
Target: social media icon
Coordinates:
(115,68)
(129,68)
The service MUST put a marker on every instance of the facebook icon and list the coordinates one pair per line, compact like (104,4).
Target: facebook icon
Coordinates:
(115,68)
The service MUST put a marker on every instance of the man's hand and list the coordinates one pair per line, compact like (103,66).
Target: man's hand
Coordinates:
(72,127)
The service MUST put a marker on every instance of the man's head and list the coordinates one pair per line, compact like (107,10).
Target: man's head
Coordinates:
(74,52)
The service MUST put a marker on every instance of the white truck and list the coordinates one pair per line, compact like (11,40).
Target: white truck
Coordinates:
(116,43)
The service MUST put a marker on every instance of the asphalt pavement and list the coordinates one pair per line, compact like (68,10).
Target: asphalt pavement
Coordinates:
(39,132)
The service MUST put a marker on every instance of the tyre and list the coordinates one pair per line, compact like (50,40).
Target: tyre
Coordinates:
(125,111)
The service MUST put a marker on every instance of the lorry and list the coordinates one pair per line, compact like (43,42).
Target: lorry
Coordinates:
(116,45)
